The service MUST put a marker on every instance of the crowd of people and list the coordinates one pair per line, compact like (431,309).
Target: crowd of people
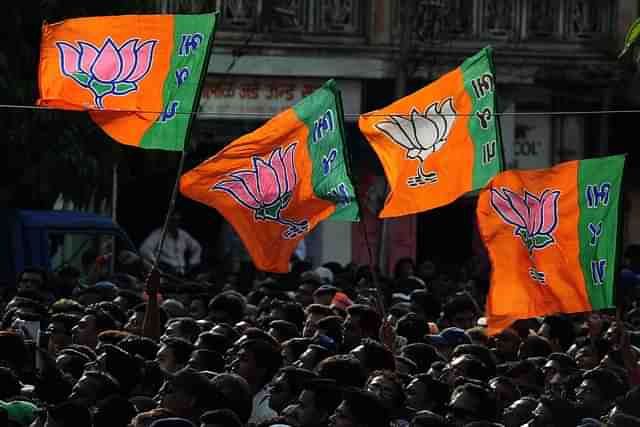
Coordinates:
(332,345)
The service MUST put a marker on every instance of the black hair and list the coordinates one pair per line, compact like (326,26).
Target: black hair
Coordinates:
(213,341)
(345,369)
(223,417)
(423,355)
(268,355)
(487,405)
(333,327)
(139,346)
(327,395)
(114,411)
(213,361)
(377,356)
(393,378)
(366,408)
(285,329)
(67,320)
(369,318)
(233,392)
(188,327)
(412,328)
(229,302)
(180,347)
(561,328)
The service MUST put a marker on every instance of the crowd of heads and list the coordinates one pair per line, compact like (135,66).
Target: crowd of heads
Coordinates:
(336,345)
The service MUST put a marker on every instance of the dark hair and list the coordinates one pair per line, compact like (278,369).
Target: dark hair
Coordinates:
(232,392)
(124,367)
(104,321)
(10,384)
(567,364)
(369,318)
(297,345)
(114,411)
(213,341)
(428,418)
(438,391)
(35,270)
(563,412)
(231,303)
(345,369)
(561,328)
(113,310)
(533,346)
(457,304)
(377,356)
(423,355)
(293,312)
(285,329)
(267,354)
(297,378)
(394,379)
(14,350)
(327,395)
(212,360)
(112,336)
(324,310)
(194,384)
(609,383)
(399,264)
(366,408)
(180,347)
(142,307)
(333,327)
(139,346)
(487,405)
(71,414)
(67,320)
(108,384)
(188,327)
(412,328)
(481,352)
(223,417)
(630,402)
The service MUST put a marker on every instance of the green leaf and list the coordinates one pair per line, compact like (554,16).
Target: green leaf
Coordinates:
(81,78)
(541,240)
(632,35)
(101,89)
(122,88)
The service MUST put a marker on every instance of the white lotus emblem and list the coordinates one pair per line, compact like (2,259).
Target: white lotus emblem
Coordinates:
(421,135)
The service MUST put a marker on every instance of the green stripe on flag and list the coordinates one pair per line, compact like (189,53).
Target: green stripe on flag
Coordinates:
(599,184)
(322,113)
(191,37)
(484,128)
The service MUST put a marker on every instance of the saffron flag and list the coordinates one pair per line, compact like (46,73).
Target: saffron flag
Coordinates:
(552,236)
(137,75)
(276,183)
(439,142)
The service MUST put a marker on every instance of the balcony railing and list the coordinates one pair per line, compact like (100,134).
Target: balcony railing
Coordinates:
(510,20)
(317,17)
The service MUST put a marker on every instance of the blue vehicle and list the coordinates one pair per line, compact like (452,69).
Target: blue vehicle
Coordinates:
(54,240)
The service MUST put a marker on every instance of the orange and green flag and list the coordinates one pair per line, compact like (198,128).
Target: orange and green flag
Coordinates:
(552,236)
(139,76)
(275,184)
(439,142)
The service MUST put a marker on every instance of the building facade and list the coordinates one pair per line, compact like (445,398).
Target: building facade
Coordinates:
(551,56)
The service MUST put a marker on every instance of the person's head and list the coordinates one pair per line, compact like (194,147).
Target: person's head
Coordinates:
(125,368)
(59,330)
(206,360)
(314,405)
(589,355)
(559,330)
(471,402)
(427,419)
(553,412)
(598,389)
(425,304)
(174,223)
(534,346)
(94,386)
(32,279)
(134,323)
(233,392)
(90,325)
(72,362)
(9,384)
(220,418)
(405,366)
(374,356)
(507,343)
(362,322)
(292,349)
(467,366)
(412,327)
(313,314)
(423,355)
(527,375)
(324,294)
(136,345)
(460,312)
(331,326)
(519,412)
(257,361)
(557,371)
(505,390)
(185,393)
(426,393)
(114,411)
(69,413)
(212,341)
(287,385)
(283,330)
(345,369)
(182,327)
(313,355)
(174,354)
(389,389)
(360,409)
(227,307)
(404,268)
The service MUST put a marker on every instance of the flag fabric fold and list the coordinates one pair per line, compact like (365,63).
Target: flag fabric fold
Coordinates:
(137,75)
(440,142)
(552,238)
(275,184)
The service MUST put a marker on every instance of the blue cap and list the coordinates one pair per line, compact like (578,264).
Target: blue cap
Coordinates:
(326,342)
(455,336)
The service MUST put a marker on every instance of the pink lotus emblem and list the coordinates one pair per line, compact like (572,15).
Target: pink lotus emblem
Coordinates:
(109,70)
(535,218)
(267,188)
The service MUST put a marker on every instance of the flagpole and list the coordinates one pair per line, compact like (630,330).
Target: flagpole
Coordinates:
(187,139)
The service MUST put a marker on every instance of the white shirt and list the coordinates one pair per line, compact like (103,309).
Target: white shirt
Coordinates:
(261,410)
(177,252)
